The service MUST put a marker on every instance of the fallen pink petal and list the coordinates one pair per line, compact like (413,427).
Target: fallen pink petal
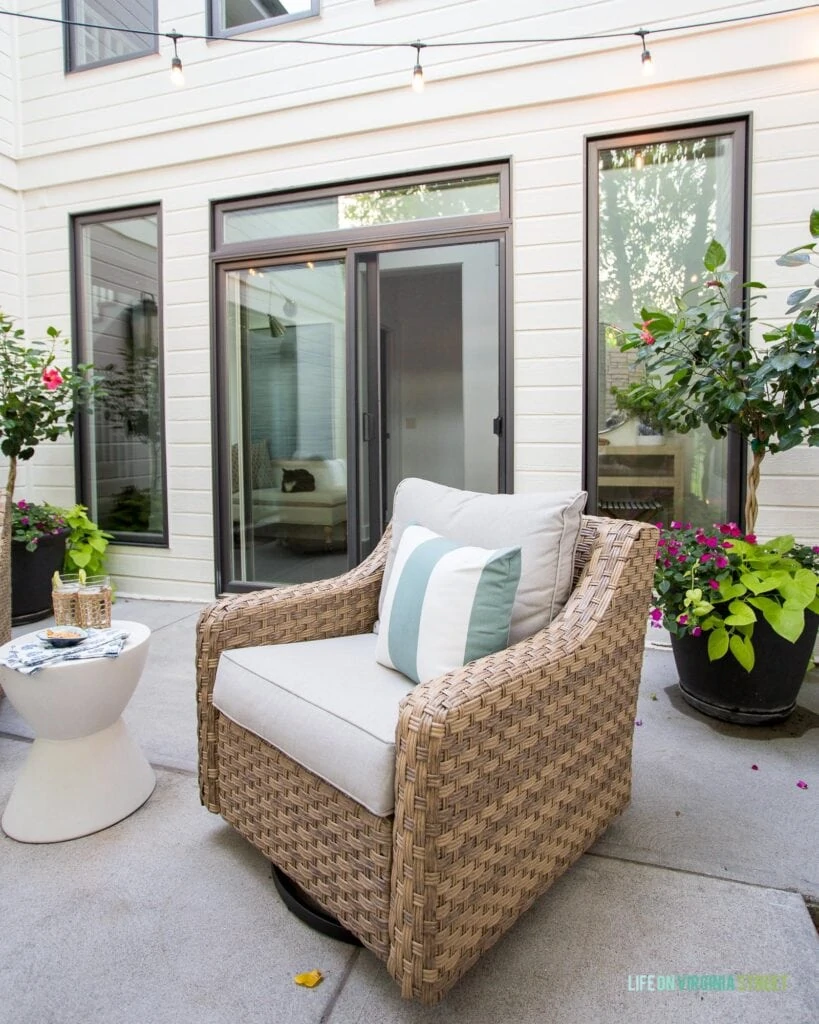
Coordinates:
(754,767)
(802,784)
(639,721)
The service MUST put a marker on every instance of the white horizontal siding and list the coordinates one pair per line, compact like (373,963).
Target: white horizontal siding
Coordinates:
(121,136)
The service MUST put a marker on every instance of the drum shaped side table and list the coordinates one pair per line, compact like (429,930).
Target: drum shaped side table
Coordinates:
(84,772)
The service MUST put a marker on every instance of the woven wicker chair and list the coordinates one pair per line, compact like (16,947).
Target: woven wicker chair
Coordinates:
(507,770)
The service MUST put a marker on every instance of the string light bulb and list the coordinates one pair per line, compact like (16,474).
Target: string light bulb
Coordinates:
(418,71)
(645,56)
(177,75)
(639,160)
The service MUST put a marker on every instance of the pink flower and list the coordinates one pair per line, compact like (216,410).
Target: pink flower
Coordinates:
(675,525)
(52,378)
(815,550)
(713,284)
(696,631)
(750,538)
(24,520)
(727,544)
(802,784)
(681,558)
(721,561)
(682,619)
(711,542)
(649,339)
(713,584)
(656,614)
(706,556)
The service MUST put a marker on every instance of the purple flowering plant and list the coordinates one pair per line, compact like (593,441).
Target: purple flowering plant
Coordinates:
(721,581)
(29,522)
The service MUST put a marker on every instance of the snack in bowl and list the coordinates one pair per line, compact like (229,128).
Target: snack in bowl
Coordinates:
(62,636)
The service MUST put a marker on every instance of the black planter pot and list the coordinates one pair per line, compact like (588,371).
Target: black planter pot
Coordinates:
(31,573)
(724,690)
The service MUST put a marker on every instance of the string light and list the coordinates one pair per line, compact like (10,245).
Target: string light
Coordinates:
(418,71)
(645,56)
(177,75)
(639,160)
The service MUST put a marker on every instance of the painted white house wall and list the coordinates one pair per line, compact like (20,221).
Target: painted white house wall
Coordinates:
(262,119)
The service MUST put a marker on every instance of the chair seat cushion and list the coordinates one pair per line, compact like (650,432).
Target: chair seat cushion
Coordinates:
(327,704)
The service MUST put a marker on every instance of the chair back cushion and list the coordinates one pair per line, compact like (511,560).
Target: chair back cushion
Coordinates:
(446,604)
(544,526)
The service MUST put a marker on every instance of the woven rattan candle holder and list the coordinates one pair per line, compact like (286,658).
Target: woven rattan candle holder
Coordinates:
(64,598)
(94,603)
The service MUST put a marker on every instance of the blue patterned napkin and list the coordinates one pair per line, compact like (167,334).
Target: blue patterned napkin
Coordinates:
(35,654)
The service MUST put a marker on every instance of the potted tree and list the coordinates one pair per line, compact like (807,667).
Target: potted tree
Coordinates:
(721,594)
(38,400)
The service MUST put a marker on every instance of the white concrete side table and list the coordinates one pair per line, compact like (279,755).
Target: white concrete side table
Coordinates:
(84,772)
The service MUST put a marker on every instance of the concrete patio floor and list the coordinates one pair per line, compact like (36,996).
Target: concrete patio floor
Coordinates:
(169,916)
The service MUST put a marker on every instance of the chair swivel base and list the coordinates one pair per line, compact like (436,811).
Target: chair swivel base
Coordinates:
(298,902)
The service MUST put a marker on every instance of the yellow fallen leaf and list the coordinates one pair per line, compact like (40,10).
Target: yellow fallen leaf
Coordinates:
(309,979)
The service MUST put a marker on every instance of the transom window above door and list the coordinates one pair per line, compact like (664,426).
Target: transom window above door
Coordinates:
(230,16)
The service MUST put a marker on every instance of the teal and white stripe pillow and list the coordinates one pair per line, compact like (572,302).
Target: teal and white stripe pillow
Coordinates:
(446,604)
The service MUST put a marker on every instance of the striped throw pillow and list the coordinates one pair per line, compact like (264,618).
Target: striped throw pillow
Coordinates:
(446,604)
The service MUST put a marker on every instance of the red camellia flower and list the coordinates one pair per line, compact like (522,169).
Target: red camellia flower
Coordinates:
(52,378)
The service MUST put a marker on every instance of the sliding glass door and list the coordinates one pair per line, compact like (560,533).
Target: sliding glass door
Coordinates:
(360,339)
(286,422)
(428,337)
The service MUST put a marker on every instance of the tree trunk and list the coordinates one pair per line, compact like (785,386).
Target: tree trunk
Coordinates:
(5,570)
(5,554)
(751,506)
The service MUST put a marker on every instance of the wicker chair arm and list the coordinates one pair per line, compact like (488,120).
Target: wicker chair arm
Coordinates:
(490,758)
(341,606)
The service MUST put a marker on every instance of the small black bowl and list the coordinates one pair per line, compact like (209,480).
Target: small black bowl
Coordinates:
(58,636)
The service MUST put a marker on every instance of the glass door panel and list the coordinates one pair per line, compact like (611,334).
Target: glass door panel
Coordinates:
(430,344)
(658,206)
(286,421)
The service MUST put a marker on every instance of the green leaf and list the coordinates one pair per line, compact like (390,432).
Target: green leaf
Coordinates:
(796,297)
(757,585)
(714,256)
(781,544)
(784,360)
(717,644)
(741,614)
(754,284)
(80,558)
(789,624)
(801,589)
(814,223)
(743,650)
(793,259)
(735,400)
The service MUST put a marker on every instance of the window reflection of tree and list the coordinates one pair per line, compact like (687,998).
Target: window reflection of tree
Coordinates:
(131,402)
